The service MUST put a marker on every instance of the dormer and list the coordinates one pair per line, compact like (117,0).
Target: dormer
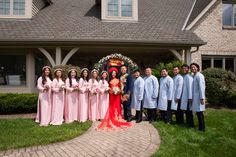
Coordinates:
(21,9)
(119,10)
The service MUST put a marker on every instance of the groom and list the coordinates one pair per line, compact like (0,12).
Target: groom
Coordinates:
(126,87)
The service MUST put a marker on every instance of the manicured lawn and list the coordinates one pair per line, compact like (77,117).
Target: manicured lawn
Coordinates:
(219,140)
(15,133)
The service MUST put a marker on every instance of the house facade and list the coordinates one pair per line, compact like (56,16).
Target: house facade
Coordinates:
(35,33)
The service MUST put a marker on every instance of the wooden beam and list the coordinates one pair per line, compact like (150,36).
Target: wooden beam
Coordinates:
(49,57)
(176,53)
(68,56)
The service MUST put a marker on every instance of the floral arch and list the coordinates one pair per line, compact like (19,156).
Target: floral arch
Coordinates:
(116,60)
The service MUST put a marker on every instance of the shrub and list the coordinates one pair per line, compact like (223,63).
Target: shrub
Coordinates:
(219,86)
(169,66)
(18,103)
(65,69)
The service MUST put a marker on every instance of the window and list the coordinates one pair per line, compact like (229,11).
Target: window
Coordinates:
(4,7)
(12,7)
(229,13)
(12,74)
(226,62)
(206,63)
(126,8)
(120,10)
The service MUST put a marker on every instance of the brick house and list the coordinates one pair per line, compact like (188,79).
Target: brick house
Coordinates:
(80,32)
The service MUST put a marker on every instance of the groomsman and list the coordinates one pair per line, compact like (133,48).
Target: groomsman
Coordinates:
(127,85)
(151,88)
(177,92)
(165,96)
(198,95)
(186,99)
(137,95)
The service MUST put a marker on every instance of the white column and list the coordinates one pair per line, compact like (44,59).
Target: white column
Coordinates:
(30,71)
(188,58)
(58,56)
(212,62)
(223,63)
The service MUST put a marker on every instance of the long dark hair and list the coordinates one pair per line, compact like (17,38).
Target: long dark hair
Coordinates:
(110,76)
(69,76)
(82,75)
(97,78)
(55,75)
(107,78)
(44,80)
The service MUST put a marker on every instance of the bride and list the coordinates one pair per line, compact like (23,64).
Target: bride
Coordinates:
(113,118)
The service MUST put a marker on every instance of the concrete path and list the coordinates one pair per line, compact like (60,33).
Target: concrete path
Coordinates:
(142,140)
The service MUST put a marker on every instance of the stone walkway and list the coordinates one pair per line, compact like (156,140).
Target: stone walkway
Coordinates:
(142,140)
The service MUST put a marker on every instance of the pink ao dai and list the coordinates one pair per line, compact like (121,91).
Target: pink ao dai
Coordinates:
(103,98)
(93,100)
(58,95)
(72,101)
(83,100)
(44,102)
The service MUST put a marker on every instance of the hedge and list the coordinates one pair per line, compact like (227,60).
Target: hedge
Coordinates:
(219,87)
(18,103)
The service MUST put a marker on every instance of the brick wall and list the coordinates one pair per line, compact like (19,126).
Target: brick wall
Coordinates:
(219,41)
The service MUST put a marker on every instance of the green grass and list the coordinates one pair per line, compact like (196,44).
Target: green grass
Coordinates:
(16,133)
(219,140)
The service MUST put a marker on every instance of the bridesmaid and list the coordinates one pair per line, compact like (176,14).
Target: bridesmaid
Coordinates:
(72,100)
(93,96)
(58,94)
(83,95)
(103,94)
(44,99)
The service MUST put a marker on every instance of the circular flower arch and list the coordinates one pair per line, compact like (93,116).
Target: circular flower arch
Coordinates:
(127,61)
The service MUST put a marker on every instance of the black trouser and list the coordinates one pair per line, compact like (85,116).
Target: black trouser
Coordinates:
(151,114)
(189,116)
(139,114)
(179,115)
(201,122)
(127,109)
(167,115)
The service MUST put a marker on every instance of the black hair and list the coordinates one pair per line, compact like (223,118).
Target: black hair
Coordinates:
(44,80)
(176,67)
(164,69)
(198,66)
(185,65)
(110,76)
(69,76)
(55,75)
(97,79)
(82,75)
(107,78)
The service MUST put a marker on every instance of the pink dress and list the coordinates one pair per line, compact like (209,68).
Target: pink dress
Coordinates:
(58,101)
(44,106)
(93,100)
(103,98)
(83,100)
(71,101)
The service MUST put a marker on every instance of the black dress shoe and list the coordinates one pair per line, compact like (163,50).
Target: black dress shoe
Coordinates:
(138,120)
(129,120)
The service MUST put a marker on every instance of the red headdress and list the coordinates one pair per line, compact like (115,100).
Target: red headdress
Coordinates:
(113,69)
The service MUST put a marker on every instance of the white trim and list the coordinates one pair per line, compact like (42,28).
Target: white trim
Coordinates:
(58,55)
(200,15)
(191,10)
(68,56)
(49,57)
(176,54)
(28,11)
(119,18)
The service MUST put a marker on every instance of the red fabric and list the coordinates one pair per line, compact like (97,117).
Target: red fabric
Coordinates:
(113,118)
(113,69)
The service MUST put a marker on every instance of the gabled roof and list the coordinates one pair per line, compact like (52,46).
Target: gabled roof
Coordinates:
(199,6)
(160,22)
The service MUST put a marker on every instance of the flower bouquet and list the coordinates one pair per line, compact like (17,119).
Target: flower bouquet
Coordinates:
(115,90)
(46,87)
(62,86)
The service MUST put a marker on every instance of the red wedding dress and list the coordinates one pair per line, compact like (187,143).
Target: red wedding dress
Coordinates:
(113,118)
